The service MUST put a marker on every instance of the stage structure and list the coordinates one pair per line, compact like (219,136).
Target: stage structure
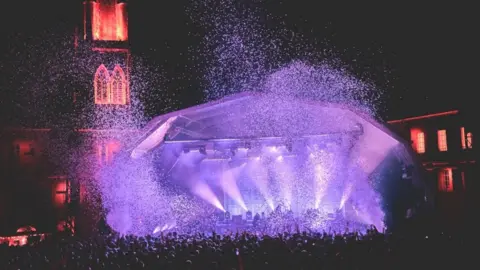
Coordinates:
(260,152)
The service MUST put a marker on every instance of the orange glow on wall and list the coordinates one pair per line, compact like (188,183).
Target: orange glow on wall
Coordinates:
(445,180)
(110,89)
(109,21)
(423,117)
(442,140)
(418,140)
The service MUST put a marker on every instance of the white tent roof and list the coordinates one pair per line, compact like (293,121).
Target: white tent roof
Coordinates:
(255,115)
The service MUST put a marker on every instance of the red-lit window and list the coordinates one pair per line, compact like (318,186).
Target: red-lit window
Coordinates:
(442,140)
(420,142)
(107,151)
(25,151)
(109,21)
(118,86)
(101,84)
(469,140)
(61,190)
(110,89)
(445,180)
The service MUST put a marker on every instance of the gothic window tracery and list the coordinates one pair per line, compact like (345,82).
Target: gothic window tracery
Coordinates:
(110,88)
(101,84)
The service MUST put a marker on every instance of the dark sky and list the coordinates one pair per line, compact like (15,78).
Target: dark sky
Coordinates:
(422,55)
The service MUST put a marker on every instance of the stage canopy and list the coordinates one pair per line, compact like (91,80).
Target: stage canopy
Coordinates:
(257,116)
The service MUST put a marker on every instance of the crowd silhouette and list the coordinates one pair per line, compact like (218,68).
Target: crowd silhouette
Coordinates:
(246,250)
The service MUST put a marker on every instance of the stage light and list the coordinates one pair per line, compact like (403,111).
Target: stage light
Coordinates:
(202,150)
(273,149)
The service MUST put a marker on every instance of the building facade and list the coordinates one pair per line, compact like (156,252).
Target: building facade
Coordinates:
(445,144)
(47,173)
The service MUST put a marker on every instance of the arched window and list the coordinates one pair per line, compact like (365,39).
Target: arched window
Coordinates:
(118,86)
(101,84)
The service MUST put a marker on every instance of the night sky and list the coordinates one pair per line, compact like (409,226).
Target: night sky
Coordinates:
(422,56)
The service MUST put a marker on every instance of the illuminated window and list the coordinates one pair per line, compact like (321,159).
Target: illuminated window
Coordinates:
(445,180)
(106,152)
(24,151)
(442,140)
(101,84)
(110,89)
(109,22)
(469,140)
(118,86)
(61,190)
(420,142)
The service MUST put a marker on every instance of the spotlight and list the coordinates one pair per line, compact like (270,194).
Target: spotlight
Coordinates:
(202,150)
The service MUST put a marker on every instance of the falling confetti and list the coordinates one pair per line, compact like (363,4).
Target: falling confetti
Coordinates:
(240,54)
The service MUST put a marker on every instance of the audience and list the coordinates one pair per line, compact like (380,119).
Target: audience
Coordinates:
(244,251)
